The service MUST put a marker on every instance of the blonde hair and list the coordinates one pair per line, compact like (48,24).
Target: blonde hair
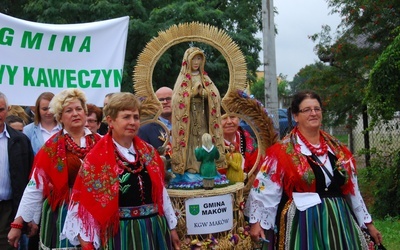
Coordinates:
(119,102)
(63,99)
(206,139)
(20,112)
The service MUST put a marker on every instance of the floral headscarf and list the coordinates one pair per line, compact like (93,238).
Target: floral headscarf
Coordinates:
(96,187)
(293,166)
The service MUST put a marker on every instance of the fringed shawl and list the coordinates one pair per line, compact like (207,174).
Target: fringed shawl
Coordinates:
(293,171)
(181,101)
(96,187)
(51,165)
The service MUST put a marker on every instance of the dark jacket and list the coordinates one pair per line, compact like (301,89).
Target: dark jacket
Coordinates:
(20,158)
(152,134)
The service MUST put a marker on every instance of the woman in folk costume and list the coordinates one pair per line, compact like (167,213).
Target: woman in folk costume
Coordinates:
(119,200)
(196,110)
(54,170)
(307,186)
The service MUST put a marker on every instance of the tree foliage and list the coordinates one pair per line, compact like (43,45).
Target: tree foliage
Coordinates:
(240,19)
(365,31)
(336,97)
(257,89)
(384,83)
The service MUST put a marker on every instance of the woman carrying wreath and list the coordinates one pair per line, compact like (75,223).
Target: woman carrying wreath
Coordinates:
(196,110)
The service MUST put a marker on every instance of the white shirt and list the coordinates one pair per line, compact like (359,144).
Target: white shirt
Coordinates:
(47,134)
(30,208)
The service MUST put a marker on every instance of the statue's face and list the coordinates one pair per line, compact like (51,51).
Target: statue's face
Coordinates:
(196,62)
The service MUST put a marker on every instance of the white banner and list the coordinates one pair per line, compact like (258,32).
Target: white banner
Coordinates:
(209,215)
(38,57)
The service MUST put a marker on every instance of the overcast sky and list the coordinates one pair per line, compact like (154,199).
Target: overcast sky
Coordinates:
(296,20)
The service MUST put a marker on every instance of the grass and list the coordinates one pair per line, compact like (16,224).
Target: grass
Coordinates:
(343,138)
(389,227)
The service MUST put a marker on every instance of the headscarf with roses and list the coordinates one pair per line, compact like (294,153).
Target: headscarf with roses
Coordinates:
(293,171)
(96,187)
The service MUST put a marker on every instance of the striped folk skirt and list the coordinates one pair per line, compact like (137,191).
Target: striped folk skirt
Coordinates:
(150,233)
(51,226)
(329,225)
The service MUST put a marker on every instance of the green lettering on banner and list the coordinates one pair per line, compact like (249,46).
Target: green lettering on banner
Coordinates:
(117,77)
(83,83)
(61,78)
(85,44)
(2,67)
(12,71)
(68,43)
(95,82)
(71,78)
(6,36)
(107,75)
(56,77)
(28,78)
(29,42)
(52,42)
(42,78)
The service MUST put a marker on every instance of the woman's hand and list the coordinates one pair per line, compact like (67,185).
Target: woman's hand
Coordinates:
(13,237)
(15,233)
(374,233)
(33,229)
(257,232)
(197,88)
(175,240)
(85,244)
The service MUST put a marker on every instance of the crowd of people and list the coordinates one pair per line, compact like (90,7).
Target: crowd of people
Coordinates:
(79,176)
(307,180)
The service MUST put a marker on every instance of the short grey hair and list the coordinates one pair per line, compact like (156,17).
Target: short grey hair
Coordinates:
(4,97)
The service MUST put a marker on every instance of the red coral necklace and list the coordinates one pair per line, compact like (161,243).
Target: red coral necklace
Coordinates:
(123,163)
(75,149)
(321,150)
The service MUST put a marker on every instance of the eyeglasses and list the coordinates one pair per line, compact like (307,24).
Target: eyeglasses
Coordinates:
(308,111)
(91,121)
(168,99)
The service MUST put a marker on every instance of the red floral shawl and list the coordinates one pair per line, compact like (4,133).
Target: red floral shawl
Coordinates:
(50,164)
(96,187)
(293,166)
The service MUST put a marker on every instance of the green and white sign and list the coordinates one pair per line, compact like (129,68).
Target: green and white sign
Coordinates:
(209,214)
(38,57)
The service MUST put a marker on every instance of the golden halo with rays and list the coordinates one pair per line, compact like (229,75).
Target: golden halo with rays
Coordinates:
(232,102)
(151,108)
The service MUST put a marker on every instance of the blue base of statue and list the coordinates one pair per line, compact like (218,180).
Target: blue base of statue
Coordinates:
(194,181)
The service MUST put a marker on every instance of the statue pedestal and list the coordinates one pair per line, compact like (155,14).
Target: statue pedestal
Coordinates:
(234,238)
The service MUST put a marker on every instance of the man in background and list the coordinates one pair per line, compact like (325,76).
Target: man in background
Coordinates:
(16,158)
(154,133)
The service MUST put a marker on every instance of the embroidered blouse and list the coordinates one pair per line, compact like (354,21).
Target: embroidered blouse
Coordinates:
(30,208)
(264,198)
